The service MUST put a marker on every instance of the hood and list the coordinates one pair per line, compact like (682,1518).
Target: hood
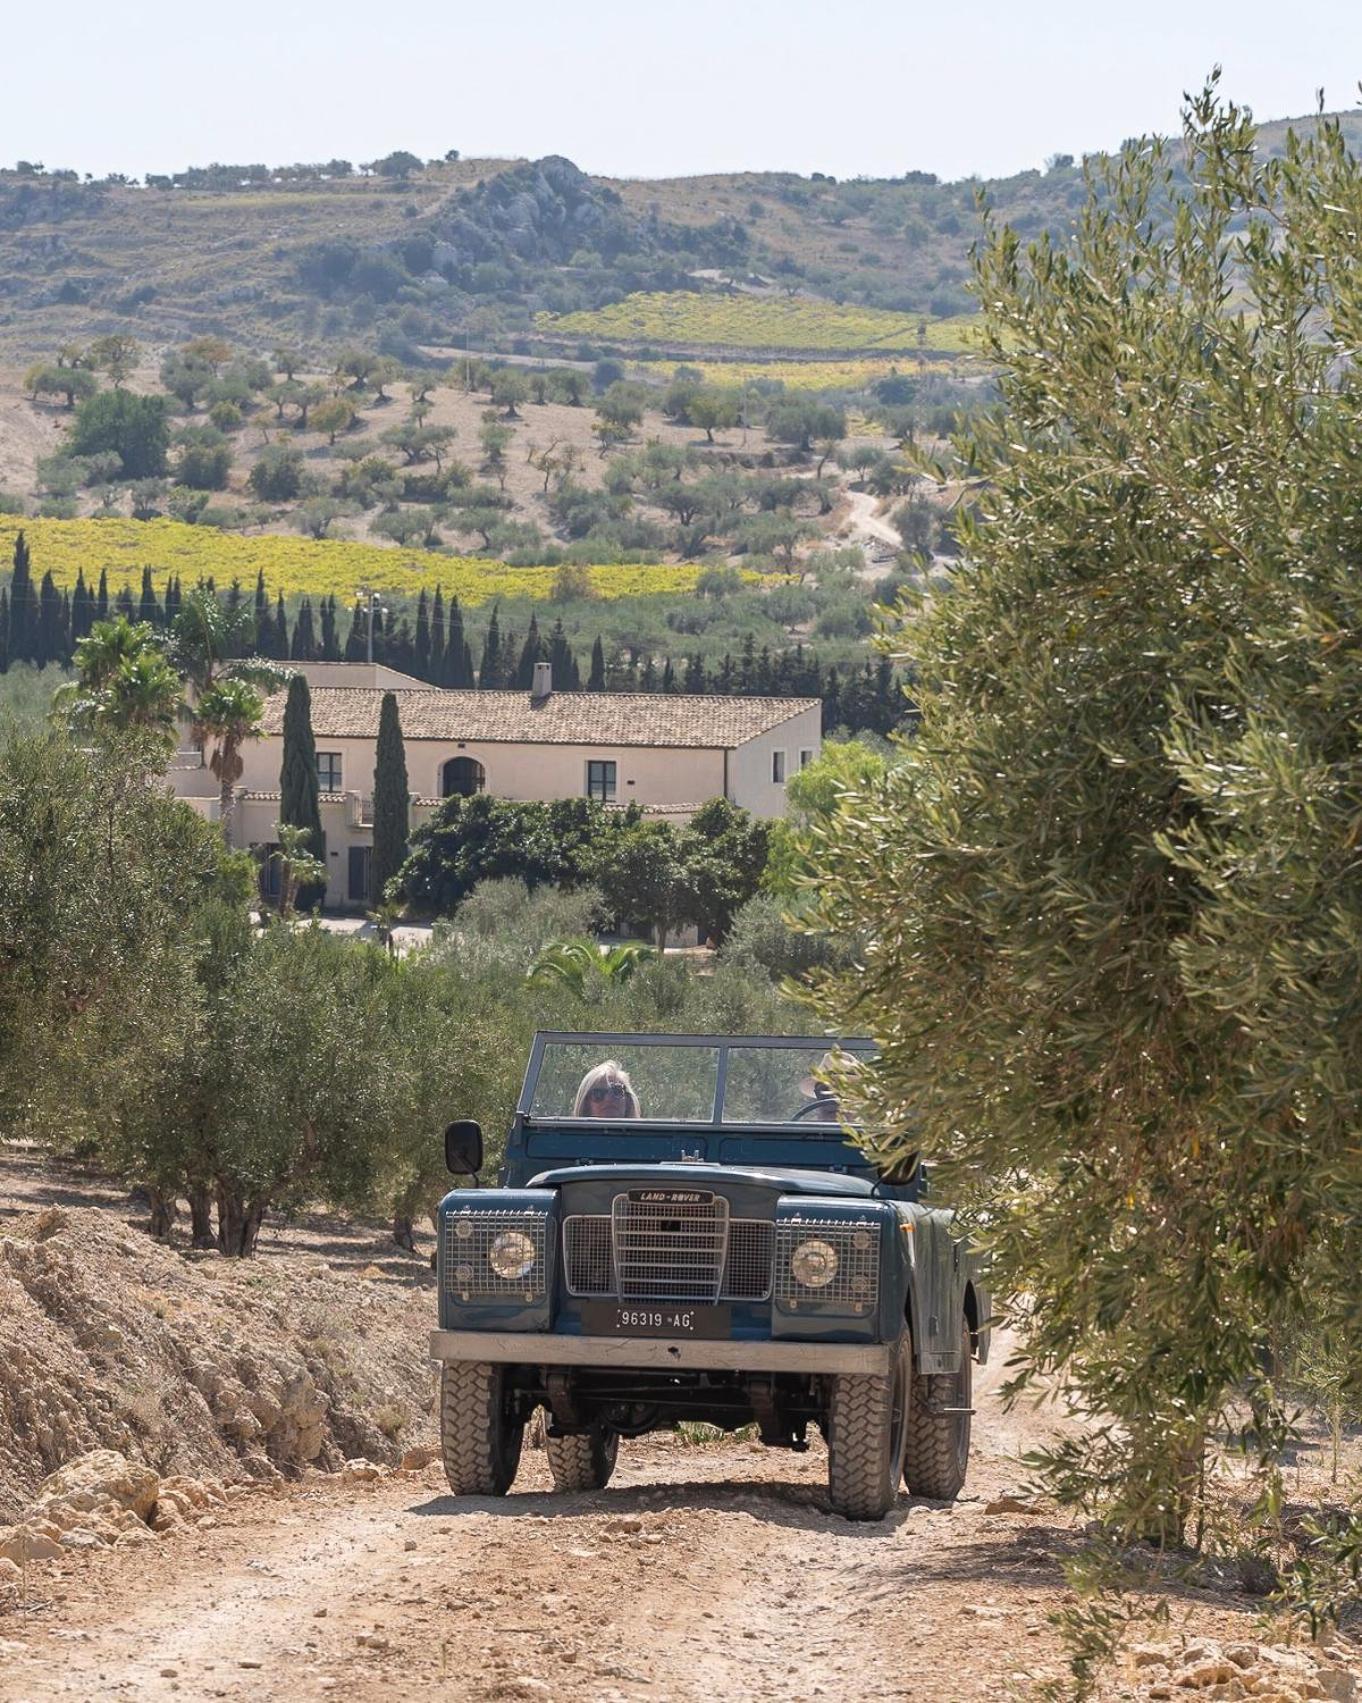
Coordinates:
(779,1179)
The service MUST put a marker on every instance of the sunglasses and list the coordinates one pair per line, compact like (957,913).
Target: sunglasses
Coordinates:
(609,1091)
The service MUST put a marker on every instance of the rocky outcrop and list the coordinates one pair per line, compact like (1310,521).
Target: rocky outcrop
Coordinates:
(193,1366)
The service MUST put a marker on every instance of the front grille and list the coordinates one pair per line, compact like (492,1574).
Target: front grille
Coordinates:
(669,1250)
(468,1240)
(664,1251)
(855,1287)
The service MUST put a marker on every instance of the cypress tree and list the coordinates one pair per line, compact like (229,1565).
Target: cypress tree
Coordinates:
(49,644)
(82,608)
(421,649)
(299,794)
(330,646)
(23,605)
(278,633)
(123,604)
(304,645)
(457,674)
(668,676)
(437,639)
(148,609)
(102,599)
(695,673)
(355,640)
(174,599)
(4,631)
(534,651)
(595,681)
(262,615)
(392,801)
(489,671)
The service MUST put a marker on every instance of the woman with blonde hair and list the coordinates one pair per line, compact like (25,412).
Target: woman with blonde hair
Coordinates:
(606,1092)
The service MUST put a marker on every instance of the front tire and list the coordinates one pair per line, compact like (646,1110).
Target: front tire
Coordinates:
(479,1441)
(866,1429)
(937,1456)
(583,1462)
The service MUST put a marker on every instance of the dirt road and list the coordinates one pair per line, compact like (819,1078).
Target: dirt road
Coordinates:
(702,1571)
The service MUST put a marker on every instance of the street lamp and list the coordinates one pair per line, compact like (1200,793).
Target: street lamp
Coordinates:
(371,594)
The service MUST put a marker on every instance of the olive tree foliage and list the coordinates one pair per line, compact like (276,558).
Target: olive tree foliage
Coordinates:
(1111,900)
(99,872)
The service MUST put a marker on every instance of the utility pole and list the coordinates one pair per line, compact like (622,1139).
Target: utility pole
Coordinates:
(370,593)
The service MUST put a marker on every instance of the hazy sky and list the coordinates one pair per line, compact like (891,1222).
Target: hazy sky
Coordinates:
(646,89)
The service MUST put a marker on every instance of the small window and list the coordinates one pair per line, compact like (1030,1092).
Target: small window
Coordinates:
(600,782)
(778,768)
(805,756)
(329,771)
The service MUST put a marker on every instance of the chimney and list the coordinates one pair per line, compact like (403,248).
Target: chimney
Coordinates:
(542,688)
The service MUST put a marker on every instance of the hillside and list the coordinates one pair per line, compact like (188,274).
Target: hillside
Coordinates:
(473,249)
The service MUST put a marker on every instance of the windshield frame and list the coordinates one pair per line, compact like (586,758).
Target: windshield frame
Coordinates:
(856,1045)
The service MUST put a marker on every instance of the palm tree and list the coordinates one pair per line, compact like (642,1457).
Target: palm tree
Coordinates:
(228,713)
(225,705)
(124,684)
(298,868)
(208,639)
(584,966)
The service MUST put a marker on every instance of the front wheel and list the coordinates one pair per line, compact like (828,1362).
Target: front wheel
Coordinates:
(584,1462)
(867,1424)
(937,1456)
(479,1440)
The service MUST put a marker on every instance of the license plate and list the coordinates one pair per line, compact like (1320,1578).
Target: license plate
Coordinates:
(672,1318)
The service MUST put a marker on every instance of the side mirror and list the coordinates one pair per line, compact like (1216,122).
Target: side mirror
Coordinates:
(463,1147)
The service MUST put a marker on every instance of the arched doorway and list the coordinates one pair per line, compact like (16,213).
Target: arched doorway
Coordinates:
(461,777)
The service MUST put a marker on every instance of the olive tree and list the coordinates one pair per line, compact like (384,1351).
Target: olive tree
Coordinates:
(1110,898)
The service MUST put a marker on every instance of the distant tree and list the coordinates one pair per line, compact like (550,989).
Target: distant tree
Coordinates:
(510,388)
(134,428)
(639,873)
(317,515)
(711,410)
(277,477)
(117,355)
(74,383)
(400,164)
(299,792)
(392,801)
(187,376)
(205,458)
(622,405)
(286,360)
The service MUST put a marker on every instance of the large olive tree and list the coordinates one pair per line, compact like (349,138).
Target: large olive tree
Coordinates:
(1112,899)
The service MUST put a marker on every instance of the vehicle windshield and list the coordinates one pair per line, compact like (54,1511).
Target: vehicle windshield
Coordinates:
(687,1079)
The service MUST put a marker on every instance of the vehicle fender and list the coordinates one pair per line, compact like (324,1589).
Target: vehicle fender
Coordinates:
(934,1302)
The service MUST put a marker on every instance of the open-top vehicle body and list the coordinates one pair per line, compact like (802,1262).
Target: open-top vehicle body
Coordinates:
(684,1229)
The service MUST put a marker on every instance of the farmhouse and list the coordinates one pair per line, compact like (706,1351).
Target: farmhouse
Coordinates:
(668,753)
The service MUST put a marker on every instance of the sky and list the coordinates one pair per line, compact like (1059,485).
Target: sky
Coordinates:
(635,88)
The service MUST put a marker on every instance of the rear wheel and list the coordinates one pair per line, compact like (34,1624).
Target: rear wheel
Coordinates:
(867,1424)
(937,1456)
(583,1462)
(479,1441)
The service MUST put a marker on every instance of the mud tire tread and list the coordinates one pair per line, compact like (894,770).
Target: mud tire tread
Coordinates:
(584,1462)
(934,1465)
(479,1446)
(863,1464)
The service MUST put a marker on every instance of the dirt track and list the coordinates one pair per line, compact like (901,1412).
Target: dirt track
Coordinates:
(701,1571)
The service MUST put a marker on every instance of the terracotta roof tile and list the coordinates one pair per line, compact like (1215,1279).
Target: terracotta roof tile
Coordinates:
(702,722)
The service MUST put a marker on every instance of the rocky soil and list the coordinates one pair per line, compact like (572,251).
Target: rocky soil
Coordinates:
(189,1363)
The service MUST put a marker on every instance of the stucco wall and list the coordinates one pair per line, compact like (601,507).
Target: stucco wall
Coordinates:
(750,766)
(515,771)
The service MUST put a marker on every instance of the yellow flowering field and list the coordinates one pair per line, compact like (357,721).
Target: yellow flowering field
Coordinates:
(797,375)
(761,322)
(297,565)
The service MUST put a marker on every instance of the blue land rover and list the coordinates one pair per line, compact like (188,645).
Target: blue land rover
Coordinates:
(683,1228)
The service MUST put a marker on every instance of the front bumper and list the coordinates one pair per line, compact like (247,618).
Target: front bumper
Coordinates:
(530,1348)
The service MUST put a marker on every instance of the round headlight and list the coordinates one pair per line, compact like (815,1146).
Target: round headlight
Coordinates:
(511,1254)
(814,1263)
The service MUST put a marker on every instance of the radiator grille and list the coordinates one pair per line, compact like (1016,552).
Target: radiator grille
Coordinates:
(468,1240)
(589,1259)
(855,1287)
(670,1250)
